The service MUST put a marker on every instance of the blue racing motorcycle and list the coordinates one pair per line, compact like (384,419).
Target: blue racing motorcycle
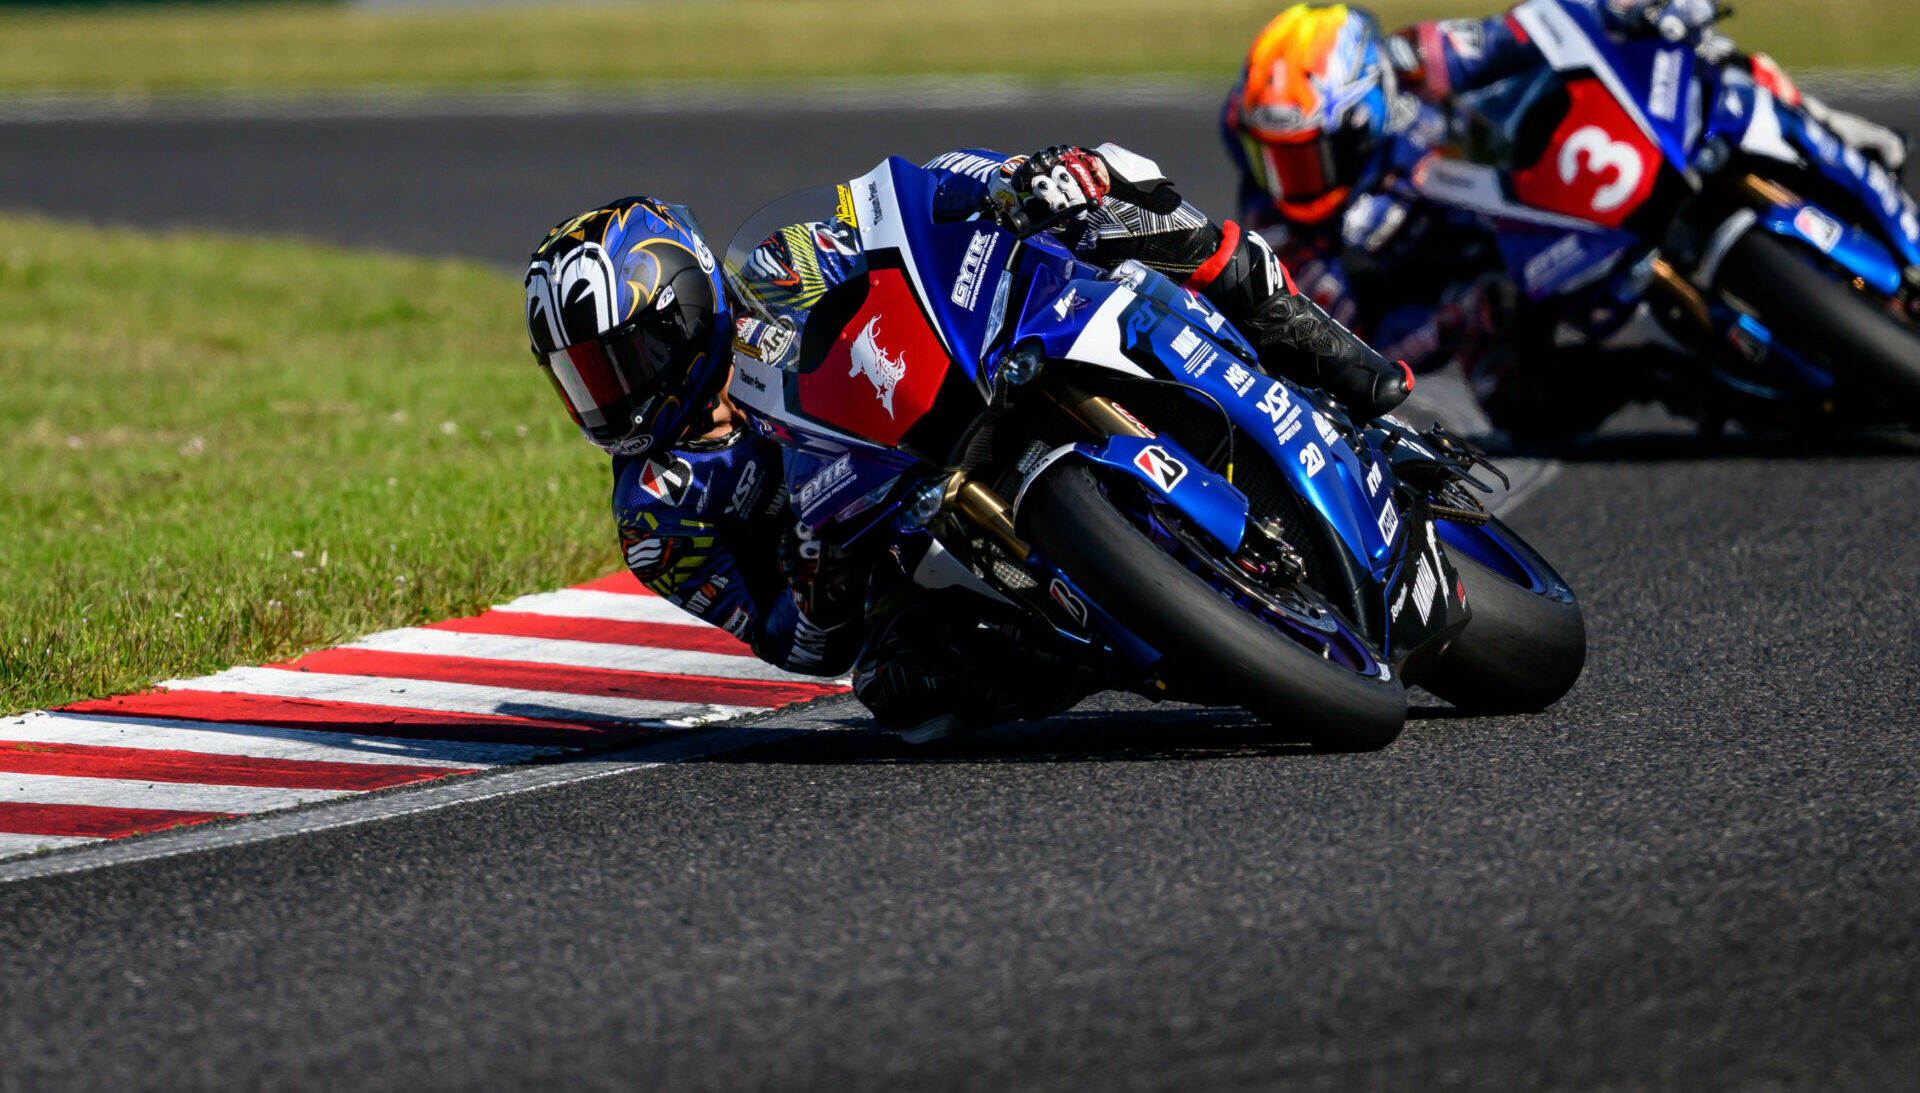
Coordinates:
(1751,264)
(1099,455)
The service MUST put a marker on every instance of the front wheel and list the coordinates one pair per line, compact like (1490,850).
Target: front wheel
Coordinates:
(1211,645)
(1825,316)
(1525,645)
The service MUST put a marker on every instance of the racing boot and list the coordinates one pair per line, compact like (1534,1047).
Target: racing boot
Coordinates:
(1293,336)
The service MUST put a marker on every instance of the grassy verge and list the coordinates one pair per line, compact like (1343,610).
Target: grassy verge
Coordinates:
(217,452)
(143,49)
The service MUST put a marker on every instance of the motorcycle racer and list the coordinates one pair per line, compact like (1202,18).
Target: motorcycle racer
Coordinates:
(1328,109)
(630,319)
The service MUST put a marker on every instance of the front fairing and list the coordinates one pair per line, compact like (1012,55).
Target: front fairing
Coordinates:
(1143,325)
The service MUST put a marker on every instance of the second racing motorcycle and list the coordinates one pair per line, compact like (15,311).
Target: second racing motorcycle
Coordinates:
(1737,252)
(1098,454)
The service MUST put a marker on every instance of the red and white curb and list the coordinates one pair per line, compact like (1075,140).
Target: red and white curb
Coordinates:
(601,663)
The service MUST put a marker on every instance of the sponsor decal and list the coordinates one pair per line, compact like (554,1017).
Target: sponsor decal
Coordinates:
(1213,318)
(1131,420)
(1075,608)
(1166,471)
(703,597)
(1275,402)
(1312,459)
(1374,476)
(973,269)
(1240,379)
(750,380)
(873,204)
(1277,118)
(1426,588)
(1399,605)
(809,645)
(744,491)
(1665,99)
(1388,521)
(1543,268)
(884,369)
(1823,230)
(1196,355)
(881,369)
(1289,427)
(738,622)
(1460,591)
(843,207)
(651,556)
(1066,303)
(667,482)
(1325,428)
(824,484)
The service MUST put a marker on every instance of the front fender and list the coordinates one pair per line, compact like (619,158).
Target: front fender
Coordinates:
(1169,473)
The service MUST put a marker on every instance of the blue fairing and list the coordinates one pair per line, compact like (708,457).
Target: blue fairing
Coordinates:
(1881,197)
(1657,76)
(1188,345)
(1750,117)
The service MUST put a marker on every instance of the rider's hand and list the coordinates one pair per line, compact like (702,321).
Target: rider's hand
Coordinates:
(1049,185)
(1674,20)
(828,581)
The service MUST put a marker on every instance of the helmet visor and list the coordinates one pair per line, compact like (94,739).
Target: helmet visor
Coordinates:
(1300,168)
(606,380)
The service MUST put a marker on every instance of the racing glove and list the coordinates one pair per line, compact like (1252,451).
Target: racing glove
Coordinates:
(1293,336)
(1045,188)
(828,583)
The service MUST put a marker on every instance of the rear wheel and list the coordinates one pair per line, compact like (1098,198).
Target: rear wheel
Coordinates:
(1821,315)
(1211,645)
(1525,645)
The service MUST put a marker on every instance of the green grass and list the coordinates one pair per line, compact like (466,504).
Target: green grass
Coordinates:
(290,48)
(220,452)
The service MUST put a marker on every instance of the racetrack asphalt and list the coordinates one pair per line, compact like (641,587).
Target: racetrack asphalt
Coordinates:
(1697,871)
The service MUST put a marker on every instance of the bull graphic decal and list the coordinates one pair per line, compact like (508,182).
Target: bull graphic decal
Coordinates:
(873,362)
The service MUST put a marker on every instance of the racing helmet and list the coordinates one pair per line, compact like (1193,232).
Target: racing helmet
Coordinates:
(628,319)
(1313,107)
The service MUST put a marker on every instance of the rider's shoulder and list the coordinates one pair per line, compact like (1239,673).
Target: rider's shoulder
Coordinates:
(690,477)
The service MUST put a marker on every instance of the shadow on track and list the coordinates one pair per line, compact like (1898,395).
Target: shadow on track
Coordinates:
(1087,735)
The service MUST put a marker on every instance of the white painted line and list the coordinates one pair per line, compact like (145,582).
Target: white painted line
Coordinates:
(577,654)
(579,603)
(12,845)
(420,694)
(54,789)
(259,741)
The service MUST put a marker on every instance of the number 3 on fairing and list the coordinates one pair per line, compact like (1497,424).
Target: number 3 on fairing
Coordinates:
(1593,150)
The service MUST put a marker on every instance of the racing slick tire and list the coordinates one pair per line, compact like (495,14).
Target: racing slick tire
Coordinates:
(1521,651)
(1210,645)
(1818,312)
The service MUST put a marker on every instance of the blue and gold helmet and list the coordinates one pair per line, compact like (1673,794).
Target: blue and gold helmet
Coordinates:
(628,318)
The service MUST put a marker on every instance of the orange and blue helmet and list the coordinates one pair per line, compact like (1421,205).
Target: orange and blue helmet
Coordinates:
(1313,107)
(629,320)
